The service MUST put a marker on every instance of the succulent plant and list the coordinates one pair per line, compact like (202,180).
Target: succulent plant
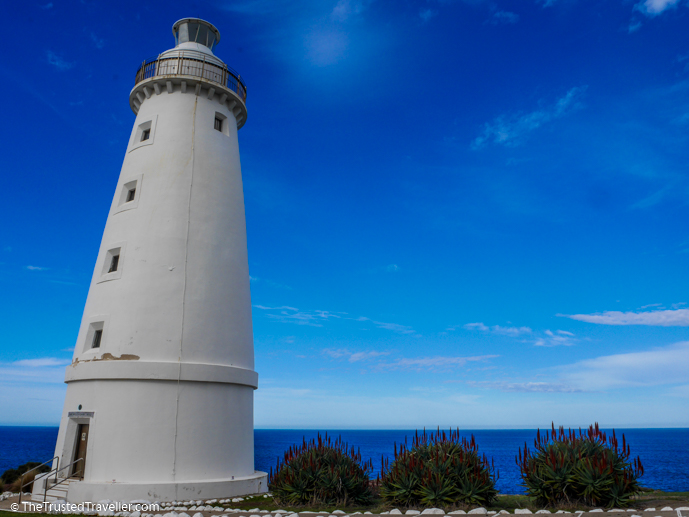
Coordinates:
(586,468)
(439,469)
(321,471)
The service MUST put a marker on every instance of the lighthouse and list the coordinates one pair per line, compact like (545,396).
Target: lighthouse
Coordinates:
(159,402)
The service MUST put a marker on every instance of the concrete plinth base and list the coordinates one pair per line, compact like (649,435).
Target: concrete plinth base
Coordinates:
(207,489)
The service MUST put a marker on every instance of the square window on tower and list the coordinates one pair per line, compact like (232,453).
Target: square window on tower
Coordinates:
(220,123)
(131,194)
(113,263)
(144,133)
(128,195)
(97,337)
(95,333)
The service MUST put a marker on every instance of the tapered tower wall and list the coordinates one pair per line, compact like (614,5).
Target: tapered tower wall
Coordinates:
(163,368)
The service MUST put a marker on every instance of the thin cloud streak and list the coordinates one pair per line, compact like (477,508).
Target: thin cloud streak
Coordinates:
(44,361)
(659,318)
(432,364)
(427,14)
(557,338)
(661,366)
(666,366)
(528,387)
(497,329)
(44,370)
(503,18)
(58,62)
(287,314)
(98,42)
(655,7)
(316,318)
(353,357)
(395,327)
(510,130)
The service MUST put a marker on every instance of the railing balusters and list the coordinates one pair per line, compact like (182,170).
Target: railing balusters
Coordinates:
(194,66)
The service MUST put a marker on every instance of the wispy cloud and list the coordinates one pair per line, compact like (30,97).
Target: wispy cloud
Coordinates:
(43,361)
(431,364)
(680,391)
(47,6)
(293,315)
(496,329)
(395,327)
(633,26)
(58,62)
(44,370)
(658,318)
(666,366)
(527,387)
(98,42)
(427,14)
(353,357)
(655,7)
(345,9)
(318,35)
(557,338)
(390,268)
(503,18)
(510,130)
(316,318)
(660,366)
(36,268)
(546,338)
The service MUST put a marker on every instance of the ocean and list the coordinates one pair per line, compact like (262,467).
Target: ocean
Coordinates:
(664,452)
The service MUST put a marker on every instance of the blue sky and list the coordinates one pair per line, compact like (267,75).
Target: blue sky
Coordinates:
(467,213)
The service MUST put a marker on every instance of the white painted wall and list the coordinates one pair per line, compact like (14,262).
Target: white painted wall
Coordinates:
(171,386)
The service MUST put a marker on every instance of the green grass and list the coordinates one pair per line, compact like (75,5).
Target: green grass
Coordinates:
(648,499)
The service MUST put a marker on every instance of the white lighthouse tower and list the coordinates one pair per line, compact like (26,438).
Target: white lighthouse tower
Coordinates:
(159,402)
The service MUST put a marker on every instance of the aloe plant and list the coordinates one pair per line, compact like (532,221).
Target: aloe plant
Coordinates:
(585,468)
(439,469)
(321,471)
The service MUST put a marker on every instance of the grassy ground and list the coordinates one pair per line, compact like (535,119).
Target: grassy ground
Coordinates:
(649,499)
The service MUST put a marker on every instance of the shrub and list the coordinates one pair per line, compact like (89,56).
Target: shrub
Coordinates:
(321,471)
(587,468)
(439,469)
(11,478)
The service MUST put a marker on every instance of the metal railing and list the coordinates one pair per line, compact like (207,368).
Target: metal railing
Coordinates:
(195,64)
(21,488)
(66,478)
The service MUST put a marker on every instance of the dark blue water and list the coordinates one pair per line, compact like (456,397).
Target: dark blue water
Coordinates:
(664,452)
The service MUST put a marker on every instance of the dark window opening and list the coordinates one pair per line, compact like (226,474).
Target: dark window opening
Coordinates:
(97,336)
(218,124)
(146,134)
(114,263)
(130,195)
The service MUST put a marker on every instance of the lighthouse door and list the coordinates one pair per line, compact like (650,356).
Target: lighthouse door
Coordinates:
(80,451)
